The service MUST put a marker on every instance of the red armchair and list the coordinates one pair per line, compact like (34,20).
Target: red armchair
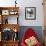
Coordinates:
(30,34)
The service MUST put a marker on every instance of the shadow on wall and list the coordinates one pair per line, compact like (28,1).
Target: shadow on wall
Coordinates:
(37,29)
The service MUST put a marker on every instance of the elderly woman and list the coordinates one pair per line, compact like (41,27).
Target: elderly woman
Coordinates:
(30,38)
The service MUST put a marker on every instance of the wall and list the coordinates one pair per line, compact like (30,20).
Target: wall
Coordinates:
(27,3)
(39,13)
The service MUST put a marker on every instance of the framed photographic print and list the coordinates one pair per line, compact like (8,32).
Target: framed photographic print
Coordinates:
(5,12)
(30,13)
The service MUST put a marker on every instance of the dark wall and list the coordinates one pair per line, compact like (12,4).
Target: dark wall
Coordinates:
(37,29)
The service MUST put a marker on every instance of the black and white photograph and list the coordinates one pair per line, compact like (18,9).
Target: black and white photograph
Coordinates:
(30,13)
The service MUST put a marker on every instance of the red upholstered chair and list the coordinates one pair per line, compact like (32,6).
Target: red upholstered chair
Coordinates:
(29,33)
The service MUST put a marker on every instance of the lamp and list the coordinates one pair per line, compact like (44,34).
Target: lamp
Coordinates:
(15,3)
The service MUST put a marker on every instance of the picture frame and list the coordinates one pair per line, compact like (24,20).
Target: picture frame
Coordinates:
(13,12)
(5,12)
(30,13)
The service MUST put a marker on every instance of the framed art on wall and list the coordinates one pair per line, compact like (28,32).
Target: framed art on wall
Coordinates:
(5,12)
(30,13)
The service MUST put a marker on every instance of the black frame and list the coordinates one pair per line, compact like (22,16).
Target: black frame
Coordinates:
(34,14)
